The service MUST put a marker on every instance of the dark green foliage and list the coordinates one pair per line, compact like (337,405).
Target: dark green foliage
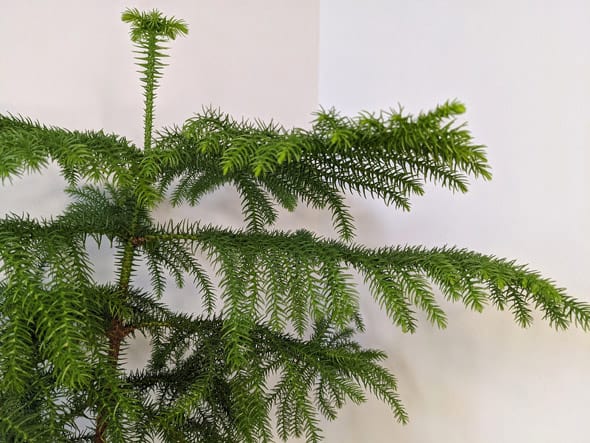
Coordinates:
(273,348)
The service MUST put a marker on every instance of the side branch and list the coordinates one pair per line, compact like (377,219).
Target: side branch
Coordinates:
(398,277)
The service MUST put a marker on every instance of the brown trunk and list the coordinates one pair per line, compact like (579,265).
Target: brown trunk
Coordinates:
(117,330)
(116,333)
(101,427)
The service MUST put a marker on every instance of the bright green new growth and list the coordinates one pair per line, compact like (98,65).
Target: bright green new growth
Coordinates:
(149,30)
(63,336)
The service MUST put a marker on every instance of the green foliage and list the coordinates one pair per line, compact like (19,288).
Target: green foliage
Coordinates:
(273,348)
(149,31)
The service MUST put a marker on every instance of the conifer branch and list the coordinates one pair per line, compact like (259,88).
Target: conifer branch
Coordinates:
(95,156)
(389,156)
(398,277)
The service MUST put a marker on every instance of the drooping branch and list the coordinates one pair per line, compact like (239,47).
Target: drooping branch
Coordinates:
(399,277)
(26,146)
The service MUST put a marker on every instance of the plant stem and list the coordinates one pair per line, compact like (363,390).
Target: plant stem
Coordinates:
(101,427)
(149,91)
(117,330)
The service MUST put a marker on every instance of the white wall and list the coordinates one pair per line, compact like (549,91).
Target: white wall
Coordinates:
(523,69)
